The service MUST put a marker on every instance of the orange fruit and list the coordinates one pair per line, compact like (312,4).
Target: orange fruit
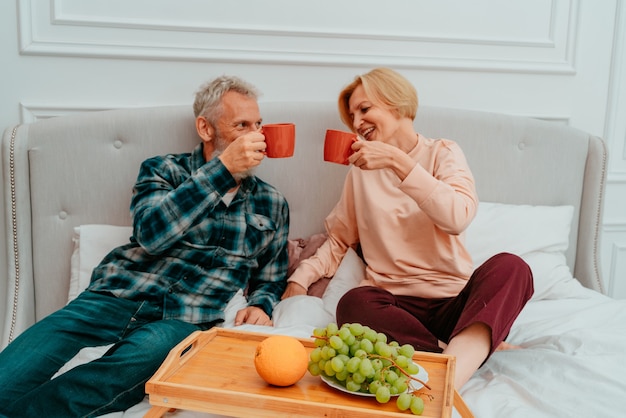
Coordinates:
(281,360)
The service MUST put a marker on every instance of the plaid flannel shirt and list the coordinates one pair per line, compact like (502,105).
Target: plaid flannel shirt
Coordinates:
(190,251)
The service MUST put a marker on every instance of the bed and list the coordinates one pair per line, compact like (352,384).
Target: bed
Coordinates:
(67,183)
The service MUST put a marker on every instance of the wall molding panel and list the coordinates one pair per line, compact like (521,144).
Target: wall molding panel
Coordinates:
(32,112)
(533,36)
(616,284)
(615,128)
(614,225)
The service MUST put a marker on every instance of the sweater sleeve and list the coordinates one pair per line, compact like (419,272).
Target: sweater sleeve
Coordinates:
(448,195)
(342,234)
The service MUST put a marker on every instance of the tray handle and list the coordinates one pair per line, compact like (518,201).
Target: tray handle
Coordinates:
(182,352)
(187,347)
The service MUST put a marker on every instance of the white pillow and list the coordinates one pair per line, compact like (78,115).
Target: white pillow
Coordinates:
(518,229)
(549,270)
(350,273)
(91,244)
(538,234)
(301,309)
(316,312)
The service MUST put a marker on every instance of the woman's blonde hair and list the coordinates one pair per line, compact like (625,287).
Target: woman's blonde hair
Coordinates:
(383,86)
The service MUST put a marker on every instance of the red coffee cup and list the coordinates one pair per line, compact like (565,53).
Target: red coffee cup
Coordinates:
(338,146)
(280,139)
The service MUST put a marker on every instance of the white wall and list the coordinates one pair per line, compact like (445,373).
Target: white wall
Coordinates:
(558,60)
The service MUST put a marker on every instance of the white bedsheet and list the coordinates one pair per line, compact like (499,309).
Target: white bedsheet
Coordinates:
(573,361)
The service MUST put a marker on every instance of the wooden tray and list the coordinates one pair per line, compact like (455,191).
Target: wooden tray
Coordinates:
(213,371)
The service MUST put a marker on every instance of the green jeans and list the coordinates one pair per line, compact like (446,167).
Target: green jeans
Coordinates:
(115,382)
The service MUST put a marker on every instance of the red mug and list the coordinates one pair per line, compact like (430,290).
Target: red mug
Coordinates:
(338,146)
(280,139)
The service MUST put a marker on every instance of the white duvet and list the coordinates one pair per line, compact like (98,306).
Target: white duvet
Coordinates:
(573,361)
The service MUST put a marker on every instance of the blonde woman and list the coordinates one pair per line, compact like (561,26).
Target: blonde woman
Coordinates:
(406,202)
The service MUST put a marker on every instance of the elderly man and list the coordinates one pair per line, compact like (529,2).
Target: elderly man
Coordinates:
(204,227)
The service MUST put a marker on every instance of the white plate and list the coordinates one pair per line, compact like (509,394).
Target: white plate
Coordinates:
(421,375)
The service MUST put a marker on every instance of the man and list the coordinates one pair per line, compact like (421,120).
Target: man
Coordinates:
(204,227)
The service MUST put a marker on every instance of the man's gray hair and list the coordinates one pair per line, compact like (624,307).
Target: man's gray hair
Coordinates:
(209,96)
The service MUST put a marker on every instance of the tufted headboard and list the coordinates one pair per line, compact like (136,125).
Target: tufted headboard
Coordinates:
(79,169)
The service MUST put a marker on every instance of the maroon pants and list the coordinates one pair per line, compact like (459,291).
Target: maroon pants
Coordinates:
(494,295)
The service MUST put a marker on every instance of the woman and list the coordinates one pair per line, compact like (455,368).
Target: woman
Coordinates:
(407,201)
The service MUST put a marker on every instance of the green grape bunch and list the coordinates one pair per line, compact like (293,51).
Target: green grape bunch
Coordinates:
(361,360)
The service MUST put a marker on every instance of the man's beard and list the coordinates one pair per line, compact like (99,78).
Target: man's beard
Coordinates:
(220,145)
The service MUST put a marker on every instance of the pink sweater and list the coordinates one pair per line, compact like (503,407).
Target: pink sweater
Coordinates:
(411,231)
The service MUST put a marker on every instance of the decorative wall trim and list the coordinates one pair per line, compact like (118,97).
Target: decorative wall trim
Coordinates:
(616,177)
(32,113)
(82,29)
(615,124)
(616,286)
(614,226)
